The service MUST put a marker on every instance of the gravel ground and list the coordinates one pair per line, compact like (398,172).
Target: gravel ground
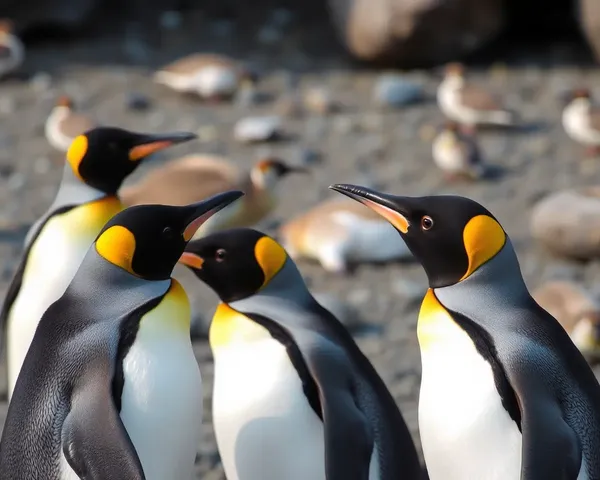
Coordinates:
(390,148)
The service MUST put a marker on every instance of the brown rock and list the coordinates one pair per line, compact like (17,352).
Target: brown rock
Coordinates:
(589,17)
(416,32)
(568,222)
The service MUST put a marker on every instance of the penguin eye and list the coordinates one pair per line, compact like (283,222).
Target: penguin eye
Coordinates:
(168,233)
(426,222)
(220,255)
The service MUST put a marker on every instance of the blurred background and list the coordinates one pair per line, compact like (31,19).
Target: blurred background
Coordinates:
(347,89)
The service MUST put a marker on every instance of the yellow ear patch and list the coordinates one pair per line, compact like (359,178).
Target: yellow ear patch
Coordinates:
(76,152)
(117,245)
(483,238)
(270,256)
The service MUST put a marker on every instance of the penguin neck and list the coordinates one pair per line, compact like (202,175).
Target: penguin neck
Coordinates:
(495,286)
(74,191)
(286,292)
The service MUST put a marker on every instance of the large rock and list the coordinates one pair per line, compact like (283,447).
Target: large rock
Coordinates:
(589,18)
(416,32)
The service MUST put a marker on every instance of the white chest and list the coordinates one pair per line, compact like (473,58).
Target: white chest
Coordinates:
(162,398)
(265,428)
(465,431)
(577,124)
(52,263)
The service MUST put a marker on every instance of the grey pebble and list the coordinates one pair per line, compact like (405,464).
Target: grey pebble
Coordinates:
(8,105)
(343,311)
(269,35)
(42,165)
(408,289)
(170,20)
(344,124)
(359,296)
(393,90)
(40,82)
(306,156)
(257,129)
(16,181)
(138,101)
(318,100)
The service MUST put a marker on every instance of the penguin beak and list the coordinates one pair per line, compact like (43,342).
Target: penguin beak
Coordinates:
(200,212)
(382,203)
(148,144)
(191,260)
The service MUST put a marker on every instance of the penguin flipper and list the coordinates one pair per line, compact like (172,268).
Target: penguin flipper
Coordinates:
(349,439)
(94,440)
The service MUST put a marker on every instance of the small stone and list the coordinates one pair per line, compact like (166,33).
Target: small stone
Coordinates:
(347,314)
(288,105)
(16,181)
(42,165)
(170,20)
(207,133)
(427,133)
(392,90)
(359,296)
(307,156)
(222,28)
(8,105)
(6,170)
(41,82)
(138,101)
(257,129)
(318,100)
(408,289)
(372,122)
(344,124)
(246,97)
(269,35)
(282,17)
(156,120)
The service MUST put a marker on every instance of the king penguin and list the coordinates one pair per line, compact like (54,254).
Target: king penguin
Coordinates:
(110,387)
(97,163)
(294,398)
(505,394)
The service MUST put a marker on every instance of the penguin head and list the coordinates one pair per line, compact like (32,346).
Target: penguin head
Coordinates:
(147,240)
(103,157)
(450,236)
(235,263)
(267,172)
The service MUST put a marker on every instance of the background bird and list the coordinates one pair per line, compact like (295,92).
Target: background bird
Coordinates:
(339,234)
(581,120)
(64,124)
(576,310)
(212,77)
(469,104)
(457,154)
(12,50)
(195,177)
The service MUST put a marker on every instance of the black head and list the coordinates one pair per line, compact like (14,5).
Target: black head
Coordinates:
(103,157)
(147,240)
(450,236)
(235,263)
(277,167)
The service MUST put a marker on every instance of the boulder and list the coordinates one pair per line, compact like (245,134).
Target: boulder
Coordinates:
(412,33)
(589,19)
(568,222)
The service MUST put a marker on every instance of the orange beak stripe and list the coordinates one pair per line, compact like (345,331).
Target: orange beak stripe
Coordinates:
(191,260)
(141,151)
(396,219)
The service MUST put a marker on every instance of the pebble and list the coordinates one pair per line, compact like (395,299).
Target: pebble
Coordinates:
(42,165)
(289,105)
(222,28)
(207,133)
(408,289)
(41,82)
(269,35)
(344,124)
(257,129)
(345,313)
(318,100)
(359,296)
(246,97)
(16,181)
(392,90)
(138,101)
(170,20)
(6,170)
(8,105)
(307,156)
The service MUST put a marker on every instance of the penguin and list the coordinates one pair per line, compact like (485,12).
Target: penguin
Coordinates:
(294,398)
(505,394)
(212,77)
(581,120)
(97,163)
(195,177)
(469,104)
(110,388)
(12,50)
(64,124)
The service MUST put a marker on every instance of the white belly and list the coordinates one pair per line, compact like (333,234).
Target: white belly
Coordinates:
(265,427)
(52,263)
(465,431)
(162,399)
